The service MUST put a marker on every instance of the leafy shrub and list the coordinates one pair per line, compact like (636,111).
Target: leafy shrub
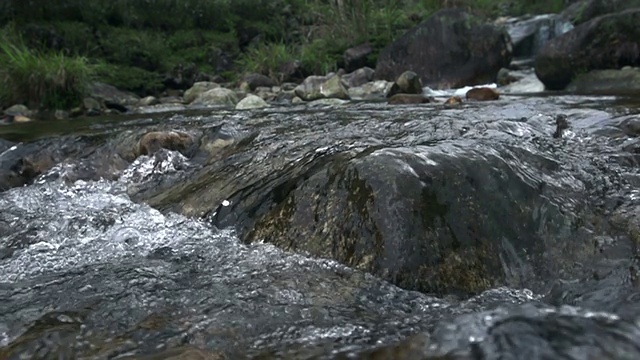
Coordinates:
(267,59)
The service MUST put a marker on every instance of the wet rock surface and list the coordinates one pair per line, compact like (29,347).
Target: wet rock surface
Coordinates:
(301,233)
(607,82)
(529,35)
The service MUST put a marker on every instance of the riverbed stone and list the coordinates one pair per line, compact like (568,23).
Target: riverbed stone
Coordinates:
(148,101)
(399,99)
(251,102)
(372,90)
(319,87)
(112,97)
(255,80)
(153,141)
(411,206)
(358,77)
(17,109)
(407,83)
(91,106)
(217,97)
(198,88)
(482,94)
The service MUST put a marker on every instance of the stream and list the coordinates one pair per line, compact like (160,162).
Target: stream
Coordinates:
(357,231)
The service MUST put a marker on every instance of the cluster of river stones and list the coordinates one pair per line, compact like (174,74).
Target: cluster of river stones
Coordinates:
(592,47)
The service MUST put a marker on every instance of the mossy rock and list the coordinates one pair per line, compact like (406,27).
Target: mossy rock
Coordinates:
(427,219)
(606,42)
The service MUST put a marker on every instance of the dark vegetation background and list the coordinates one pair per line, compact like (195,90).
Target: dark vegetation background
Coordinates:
(134,44)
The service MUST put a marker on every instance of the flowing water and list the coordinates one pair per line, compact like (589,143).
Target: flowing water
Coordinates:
(109,255)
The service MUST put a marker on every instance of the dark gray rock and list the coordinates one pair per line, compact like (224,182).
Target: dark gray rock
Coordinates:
(529,35)
(606,42)
(357,57)
(450,49)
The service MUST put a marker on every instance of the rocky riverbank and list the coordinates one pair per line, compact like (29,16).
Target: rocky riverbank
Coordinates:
(520,55)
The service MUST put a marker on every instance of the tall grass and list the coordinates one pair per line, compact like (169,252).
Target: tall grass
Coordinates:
(267,59)
(39,79)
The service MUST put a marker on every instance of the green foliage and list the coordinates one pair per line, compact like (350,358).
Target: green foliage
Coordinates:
(130,47)
(165,15)
(320,56)
(536,6)
(266,59)
(39,79)
(129,78)
(135,40)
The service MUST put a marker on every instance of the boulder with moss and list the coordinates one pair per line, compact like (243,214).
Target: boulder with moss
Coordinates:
(198,88)
(450,49)
(216,97)
(607,42)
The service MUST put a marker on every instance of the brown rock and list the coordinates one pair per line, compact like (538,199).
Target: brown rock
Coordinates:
(170,140)
(482,94)
(35,164)
(454,100)
(255,80)
(21,119)
(409,99)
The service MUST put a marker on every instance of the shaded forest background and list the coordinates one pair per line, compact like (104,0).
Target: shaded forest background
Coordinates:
(134,44)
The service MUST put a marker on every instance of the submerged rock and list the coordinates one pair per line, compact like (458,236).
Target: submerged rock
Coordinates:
(409,99)
(482,94)
(171,140)
(454,100)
